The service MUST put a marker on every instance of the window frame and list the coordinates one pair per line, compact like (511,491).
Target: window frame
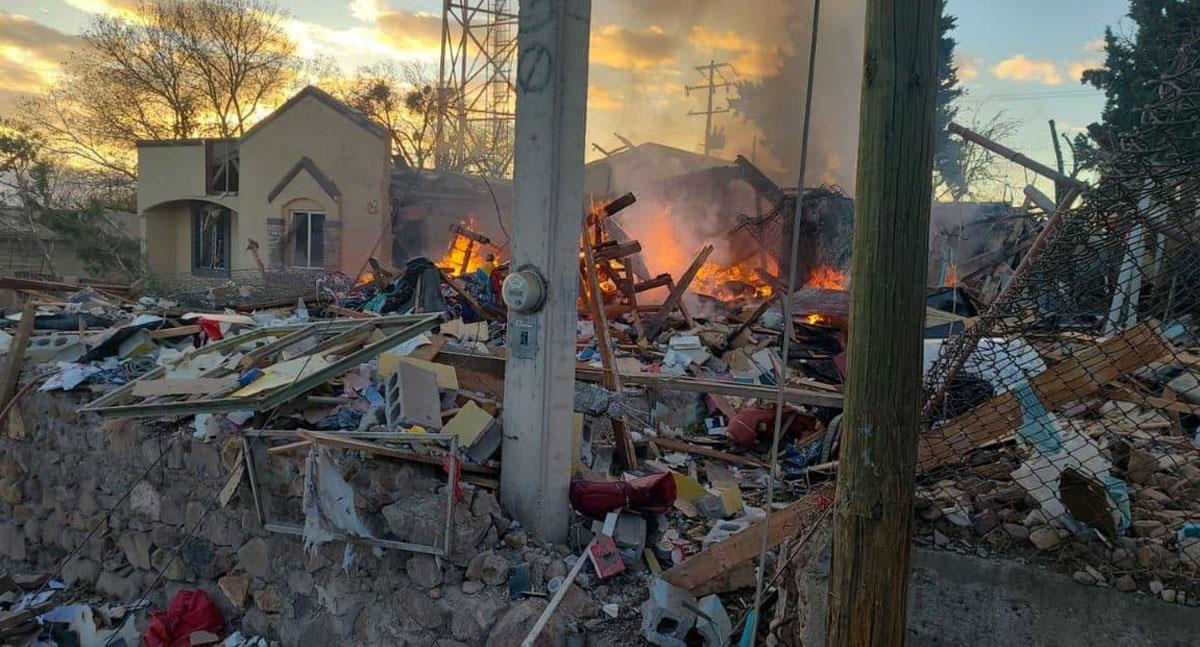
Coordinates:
(223,229)
(294,230)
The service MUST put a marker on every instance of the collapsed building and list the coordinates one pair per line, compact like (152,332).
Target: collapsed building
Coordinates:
(318,460)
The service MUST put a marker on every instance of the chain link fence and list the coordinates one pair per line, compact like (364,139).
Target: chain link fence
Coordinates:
(1063,423)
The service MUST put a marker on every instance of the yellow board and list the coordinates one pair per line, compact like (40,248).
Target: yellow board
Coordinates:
(687,488)
(468,424)
(447,377)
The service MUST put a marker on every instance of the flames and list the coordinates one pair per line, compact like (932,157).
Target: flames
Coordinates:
(730,281)
(463,256)
(824,276)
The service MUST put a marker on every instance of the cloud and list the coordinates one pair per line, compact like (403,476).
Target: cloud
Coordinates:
(366,10)
(602,98)
(31,36)
(411,31)
(1025,70)
(750,57)
(1095,46)
(30,53)
(123,8)
(630,49)
(968,66)
(1076,69)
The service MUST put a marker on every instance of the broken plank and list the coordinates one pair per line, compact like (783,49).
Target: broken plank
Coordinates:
(673,299)
(612,379)
(701,450)
(16,353)
(177,331)
(347,312)
(1081,375)
(494,365)
(191,386)
(718,560)
(289,447)
(341,442)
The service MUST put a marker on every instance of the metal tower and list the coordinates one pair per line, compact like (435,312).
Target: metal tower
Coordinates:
(475,127)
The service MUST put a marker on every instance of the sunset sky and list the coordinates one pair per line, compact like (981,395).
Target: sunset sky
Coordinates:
(1020,56)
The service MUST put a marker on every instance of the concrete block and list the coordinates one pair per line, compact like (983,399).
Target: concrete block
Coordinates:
(722,530)
(713,622)
(666,618)
(630,537)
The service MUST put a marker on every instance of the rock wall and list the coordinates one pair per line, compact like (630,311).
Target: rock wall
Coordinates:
(61,472)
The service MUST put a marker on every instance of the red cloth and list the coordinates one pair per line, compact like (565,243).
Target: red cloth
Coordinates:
(189,611)
(653,494)
(211,329)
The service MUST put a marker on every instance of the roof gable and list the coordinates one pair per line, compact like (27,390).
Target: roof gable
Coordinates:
(324,97)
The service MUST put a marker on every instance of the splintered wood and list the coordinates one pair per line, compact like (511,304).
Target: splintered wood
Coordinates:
(612,378)
(1079,376)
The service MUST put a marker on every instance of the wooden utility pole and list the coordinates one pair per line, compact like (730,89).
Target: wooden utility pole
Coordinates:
(868,580)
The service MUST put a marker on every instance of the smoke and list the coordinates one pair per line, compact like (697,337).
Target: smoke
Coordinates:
(775,103)
(767,41)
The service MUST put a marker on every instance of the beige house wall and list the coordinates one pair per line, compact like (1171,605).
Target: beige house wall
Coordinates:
(354,158)
(348,151)
(167,237)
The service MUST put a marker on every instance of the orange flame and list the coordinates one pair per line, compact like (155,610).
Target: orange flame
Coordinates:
(460,247)
(715,280)
(827,277)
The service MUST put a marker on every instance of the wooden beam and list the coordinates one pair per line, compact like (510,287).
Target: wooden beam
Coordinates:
(16,353)
(177,331)
(720,559)
(1014,156)
(673,299)
(612,379)
(494,365)
(1075,378)
(673,444)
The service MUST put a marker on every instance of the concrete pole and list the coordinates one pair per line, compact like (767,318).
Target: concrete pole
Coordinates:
(539,378)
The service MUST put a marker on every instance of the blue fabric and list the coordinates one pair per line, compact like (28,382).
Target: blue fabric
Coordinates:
(1038,427)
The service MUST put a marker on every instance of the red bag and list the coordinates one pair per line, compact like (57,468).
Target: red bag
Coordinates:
(189,611)
(654,494)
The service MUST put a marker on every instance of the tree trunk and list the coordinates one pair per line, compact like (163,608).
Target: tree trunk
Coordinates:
(873,519)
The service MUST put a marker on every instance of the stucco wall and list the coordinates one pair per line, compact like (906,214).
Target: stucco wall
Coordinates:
(166,238)
(354,158)
(171,171)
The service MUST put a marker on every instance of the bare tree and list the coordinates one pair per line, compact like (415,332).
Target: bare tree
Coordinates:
(176,69)
(405,99)
(974,171)
(238,53)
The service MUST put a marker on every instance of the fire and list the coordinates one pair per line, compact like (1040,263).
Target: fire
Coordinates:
(816,320)
(715,280)
(827,277)
(463,249)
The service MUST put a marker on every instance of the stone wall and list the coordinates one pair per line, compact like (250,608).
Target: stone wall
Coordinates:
(60,475)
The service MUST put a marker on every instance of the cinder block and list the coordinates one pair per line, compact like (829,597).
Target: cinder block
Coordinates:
(666,619)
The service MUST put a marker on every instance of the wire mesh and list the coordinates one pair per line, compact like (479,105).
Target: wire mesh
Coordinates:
(1064,422)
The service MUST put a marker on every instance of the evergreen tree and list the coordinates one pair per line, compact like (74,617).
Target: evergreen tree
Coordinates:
(1134,65)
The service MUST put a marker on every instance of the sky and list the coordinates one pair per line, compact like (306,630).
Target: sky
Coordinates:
(1019,57)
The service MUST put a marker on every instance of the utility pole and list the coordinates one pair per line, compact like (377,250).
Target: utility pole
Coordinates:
(539,376)
(1059,188)
(713,140)
(868,580)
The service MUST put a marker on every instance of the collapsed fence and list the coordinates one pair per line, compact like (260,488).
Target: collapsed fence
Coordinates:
(1064,421)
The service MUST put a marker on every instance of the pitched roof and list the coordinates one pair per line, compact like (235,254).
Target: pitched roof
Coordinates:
(306,164)
(324,97)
